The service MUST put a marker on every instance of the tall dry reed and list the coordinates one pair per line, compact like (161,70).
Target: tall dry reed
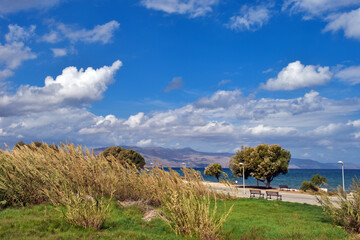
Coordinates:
(83,185)
(343,208)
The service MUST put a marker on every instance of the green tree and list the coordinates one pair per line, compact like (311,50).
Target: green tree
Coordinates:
(214,170)
(318,180)
(264,162)
(125,155)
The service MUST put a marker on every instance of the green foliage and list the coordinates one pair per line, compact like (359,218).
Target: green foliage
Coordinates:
(305,186)
(249,219)
(214,170)
(263,162)
(345,211)
(128,156)
(318,180)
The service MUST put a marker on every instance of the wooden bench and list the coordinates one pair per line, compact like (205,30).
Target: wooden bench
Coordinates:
(274,194)
(284,187)
(253,193)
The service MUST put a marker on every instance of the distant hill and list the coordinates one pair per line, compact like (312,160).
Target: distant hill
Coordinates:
(175,157)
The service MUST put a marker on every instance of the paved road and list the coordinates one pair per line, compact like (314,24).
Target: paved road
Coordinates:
(286,196)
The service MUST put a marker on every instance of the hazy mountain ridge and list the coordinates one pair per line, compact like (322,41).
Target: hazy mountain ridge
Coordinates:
(175,157)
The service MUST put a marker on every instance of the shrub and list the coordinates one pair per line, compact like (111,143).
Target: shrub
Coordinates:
(305,186)
(344,209)
(318,180)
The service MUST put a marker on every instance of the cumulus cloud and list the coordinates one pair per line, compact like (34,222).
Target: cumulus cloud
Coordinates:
(317,7)
(251,18)
(194,8)
(296,76)
(59,52)
(176,83)
(100,33)
(348,22)
(212,122)
(350,75)
(11,6)
(72,87)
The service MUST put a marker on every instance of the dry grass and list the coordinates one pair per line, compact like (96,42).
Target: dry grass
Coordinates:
(342,208)
(83,185)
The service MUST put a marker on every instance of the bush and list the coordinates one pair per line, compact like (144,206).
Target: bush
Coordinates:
(345,210)
(305,186)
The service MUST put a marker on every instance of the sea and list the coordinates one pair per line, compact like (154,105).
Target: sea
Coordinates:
(294,177)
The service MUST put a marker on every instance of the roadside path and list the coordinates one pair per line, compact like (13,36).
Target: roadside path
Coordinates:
(286,196)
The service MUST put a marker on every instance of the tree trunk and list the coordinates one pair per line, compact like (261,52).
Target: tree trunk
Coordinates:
(267,184)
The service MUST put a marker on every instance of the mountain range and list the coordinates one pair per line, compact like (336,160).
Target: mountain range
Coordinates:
(178,157)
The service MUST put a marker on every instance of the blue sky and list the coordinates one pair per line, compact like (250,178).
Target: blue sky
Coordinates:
(208,74)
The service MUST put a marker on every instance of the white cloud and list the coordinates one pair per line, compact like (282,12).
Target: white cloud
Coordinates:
(51,37)
(251,18)
(296,76)
(350,75)
(17,33)
(317,7)
(355,123)
(59,52)
(14,51)
(143,142)
(11,6)
(194,8)
(224,120)
(176,83)
(224,82)
(357,135)
(5,74)
(267,130)
(72,87)
(348,22)
(11,56)
(100,33)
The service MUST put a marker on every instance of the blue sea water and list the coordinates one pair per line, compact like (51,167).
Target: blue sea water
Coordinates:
(295,177)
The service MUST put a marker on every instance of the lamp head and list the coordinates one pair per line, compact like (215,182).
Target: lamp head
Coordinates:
(340,162)
(241,164)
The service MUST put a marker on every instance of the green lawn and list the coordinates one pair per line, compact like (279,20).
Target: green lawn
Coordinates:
(250,219)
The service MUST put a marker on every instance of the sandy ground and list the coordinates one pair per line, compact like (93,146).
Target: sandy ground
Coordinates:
(288,196)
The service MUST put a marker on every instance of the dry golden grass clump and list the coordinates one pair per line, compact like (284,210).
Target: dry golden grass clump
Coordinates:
(83,186)
(344,208)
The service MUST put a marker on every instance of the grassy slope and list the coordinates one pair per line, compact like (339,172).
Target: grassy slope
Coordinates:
(250,219)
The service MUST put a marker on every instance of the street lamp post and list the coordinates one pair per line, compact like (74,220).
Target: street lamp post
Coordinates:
(242,164)
(342,166)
